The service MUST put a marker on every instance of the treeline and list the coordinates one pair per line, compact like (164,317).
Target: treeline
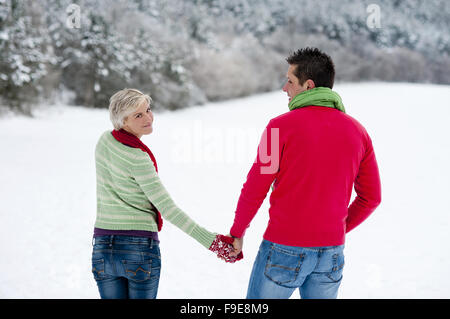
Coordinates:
(189,52)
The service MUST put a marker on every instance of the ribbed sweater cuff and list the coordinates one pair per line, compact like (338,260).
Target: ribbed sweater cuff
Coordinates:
(203,236)
(237,231)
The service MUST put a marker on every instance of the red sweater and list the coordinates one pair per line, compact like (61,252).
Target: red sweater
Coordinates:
(322,152)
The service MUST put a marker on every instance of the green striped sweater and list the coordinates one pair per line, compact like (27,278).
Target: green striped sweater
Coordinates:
(129,191)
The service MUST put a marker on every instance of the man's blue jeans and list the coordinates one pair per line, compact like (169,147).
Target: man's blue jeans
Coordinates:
(279,270)
(126,267)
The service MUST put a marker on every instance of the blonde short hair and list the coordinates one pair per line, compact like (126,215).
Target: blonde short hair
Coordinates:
(123,103)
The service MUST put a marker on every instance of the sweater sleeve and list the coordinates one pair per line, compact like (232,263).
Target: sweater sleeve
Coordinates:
(261,175)
(367,187)
(145,174)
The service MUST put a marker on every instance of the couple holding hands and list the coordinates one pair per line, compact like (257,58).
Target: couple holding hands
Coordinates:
(317,152)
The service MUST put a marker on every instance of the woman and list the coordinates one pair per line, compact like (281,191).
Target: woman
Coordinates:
(126,259)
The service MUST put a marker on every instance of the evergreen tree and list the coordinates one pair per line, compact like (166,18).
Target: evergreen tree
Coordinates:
(186,52)
(24,56)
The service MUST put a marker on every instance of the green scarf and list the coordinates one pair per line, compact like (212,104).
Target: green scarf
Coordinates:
(321,96)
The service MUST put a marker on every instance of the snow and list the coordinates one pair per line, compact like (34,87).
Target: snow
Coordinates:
(48,195)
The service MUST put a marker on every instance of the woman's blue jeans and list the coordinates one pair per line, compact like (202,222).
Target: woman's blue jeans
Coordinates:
(126,267)
(279,270)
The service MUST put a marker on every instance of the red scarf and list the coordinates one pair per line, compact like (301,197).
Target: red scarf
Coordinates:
(131,140)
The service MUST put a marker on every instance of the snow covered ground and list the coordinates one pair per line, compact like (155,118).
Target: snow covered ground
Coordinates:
(47,194)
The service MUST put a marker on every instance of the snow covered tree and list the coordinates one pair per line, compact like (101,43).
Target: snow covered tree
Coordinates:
(24,54)
(185,52)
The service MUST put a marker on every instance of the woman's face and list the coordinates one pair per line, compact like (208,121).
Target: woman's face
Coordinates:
(140,122)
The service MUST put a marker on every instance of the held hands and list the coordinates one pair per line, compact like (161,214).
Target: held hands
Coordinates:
(224,247)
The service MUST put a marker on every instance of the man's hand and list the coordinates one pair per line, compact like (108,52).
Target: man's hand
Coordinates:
(237,244)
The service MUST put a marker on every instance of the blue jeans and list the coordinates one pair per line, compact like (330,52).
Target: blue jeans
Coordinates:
(279,270)
(126,267)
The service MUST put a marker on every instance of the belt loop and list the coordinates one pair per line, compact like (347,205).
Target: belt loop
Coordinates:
(93,241)
(111,239)
(151,243)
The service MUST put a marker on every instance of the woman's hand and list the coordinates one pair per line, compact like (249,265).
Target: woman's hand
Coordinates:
(223,247)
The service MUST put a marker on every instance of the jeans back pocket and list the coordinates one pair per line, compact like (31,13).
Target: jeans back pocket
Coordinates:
(137,270)
(98,269)
(283,266)
(338,263)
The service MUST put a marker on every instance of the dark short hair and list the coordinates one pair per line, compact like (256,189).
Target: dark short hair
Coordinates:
(313,64)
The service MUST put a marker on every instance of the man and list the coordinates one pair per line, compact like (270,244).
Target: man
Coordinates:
(317,154)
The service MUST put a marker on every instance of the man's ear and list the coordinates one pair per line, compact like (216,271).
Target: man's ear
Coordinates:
(310,84)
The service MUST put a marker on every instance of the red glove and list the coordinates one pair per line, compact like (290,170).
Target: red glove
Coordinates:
(223,246)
